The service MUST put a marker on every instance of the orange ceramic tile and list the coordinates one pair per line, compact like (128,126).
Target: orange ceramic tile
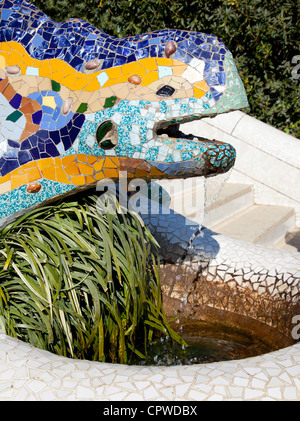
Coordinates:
(18,180)
(99,175)
(33,174)
(45,163)
(31,164)
(61,176)
(85,169)
(78,181)
(67,159)
(6,178)
(89,179)
(110,173)
(111,163)
(99,165)
(49,173)
(72,169)
(91,159)
(81,157)
(178,70)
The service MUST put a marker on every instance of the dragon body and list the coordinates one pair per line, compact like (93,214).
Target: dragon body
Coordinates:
(78,105)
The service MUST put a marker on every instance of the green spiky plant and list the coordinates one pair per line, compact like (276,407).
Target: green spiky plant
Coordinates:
(80,283)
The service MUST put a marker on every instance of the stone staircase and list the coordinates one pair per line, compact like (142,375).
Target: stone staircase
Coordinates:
(235,214)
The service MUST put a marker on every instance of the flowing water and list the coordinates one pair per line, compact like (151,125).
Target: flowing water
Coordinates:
(207,343)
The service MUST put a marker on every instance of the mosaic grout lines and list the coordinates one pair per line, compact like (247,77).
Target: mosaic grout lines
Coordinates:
(62,84)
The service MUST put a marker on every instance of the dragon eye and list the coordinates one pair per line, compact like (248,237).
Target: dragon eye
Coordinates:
(104,135)
(165,91)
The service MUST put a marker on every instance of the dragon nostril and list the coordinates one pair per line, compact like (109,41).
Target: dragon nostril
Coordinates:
(165,91)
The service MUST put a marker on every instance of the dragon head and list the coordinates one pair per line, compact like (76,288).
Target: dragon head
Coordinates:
(78,105)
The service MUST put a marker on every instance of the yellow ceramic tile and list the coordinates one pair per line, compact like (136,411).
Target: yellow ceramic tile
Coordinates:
(202,85)
(149,78)
(140,70)
(114,72)
(56,65)
(93,85)
(31,164)
(5,46)
(163,61)
(129,68)
(111,163)
(15,59)
(69,80)
(17,47)
(45,69)
(6,178)
(150,64)
(49,101)
(23,68)
(198,93)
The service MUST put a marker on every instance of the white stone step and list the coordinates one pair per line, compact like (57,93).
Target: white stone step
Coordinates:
(233,199)
(235,214)
(259,224)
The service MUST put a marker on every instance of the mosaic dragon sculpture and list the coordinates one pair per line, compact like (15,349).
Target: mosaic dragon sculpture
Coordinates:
(78,106)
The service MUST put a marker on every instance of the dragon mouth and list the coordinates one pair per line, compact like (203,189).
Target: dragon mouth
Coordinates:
(173,131)
(197,155)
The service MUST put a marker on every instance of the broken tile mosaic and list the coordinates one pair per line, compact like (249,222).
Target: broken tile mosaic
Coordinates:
(59,82)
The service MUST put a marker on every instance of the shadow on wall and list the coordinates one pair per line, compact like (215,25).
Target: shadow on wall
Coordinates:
(293,239)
